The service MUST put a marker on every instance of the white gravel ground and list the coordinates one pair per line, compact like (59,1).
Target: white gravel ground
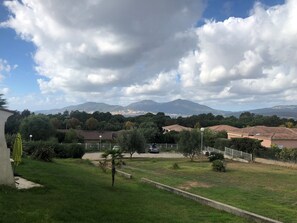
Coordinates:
(22,183)
(97,155)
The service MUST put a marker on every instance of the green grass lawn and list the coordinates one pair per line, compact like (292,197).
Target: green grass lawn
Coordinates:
(267,190)
(76,191)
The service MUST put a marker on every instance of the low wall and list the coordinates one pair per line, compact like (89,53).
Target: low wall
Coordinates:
(274,162)
(212,203)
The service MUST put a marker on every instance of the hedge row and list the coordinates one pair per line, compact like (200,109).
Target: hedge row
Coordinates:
(46,150)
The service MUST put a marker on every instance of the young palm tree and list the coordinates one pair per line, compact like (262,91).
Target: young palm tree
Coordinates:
(114,154)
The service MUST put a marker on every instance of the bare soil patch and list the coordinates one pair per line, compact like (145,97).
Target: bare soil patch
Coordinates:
(190,184)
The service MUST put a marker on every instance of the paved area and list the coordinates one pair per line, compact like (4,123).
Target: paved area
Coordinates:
(97,155)
(22,183)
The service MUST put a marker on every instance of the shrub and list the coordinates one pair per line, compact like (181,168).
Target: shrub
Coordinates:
(175,166)
(44,154)
(72,150)
(287,154)
(215,156)
(219,166)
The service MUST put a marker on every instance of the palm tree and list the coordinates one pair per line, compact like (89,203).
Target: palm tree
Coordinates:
(114,154)
(2,101)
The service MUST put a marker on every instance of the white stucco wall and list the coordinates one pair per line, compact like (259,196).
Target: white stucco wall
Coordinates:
(6,173)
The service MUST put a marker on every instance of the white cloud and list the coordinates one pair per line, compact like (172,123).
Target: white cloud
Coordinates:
(250,60)
(93,46)
(150,49)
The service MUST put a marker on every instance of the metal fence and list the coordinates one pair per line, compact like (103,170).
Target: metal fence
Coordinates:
(210,149)
(231,153)
(99,147)
(238,154)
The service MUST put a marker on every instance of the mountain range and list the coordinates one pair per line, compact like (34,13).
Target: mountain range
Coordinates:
(177,107)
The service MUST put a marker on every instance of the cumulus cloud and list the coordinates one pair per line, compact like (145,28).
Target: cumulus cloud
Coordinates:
(249,59)
(152,49)
(92,46)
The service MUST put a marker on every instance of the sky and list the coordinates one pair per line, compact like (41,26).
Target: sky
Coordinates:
(231,55)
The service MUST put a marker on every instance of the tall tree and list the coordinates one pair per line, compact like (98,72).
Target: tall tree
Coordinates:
(39,126)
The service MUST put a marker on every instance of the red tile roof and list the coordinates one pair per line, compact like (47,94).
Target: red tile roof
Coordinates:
(177,128)
(218,128)
(267,132)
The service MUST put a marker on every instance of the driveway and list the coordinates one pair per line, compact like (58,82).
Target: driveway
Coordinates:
(97,155)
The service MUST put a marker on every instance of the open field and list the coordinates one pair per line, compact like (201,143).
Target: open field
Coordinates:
(76,191)
(267,190)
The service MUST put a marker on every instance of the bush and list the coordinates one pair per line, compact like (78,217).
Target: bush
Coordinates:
(44,154)
(219,166)
(72,150)
(287,154)
(268,153)
(215,156)
(175,166)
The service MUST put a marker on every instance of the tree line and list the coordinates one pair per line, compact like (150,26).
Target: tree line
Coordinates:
(149,124)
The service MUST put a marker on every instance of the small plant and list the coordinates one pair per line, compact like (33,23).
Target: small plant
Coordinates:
(215,156)
(175,166)
(219,166)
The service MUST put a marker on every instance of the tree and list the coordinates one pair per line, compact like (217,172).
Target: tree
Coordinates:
(2,101)
(71,136)
(92,124)
(39,126)
(149,131)
(115,154)
(189,143)
(56,123)
(131,141)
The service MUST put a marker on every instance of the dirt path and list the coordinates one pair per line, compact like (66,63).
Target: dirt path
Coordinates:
(97,155)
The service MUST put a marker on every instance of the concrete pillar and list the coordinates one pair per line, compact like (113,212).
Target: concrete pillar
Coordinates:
(6,173)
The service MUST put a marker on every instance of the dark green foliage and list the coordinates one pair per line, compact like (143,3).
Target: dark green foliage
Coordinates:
(69,150)
(287,154)
(268,153)
(189,143)
(149,131)
(60,136)
(39,126)
(71,136)
(215,156)
(10,140)
(37,148)
(221,143)
(219,166)
(245,144)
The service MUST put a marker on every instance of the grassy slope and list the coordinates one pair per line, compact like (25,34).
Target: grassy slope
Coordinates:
(267,190)
(76,191)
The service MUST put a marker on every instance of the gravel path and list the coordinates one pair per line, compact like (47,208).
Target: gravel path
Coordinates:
(97,155)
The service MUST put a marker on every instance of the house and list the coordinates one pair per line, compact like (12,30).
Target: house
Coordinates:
(176,128)
(280,136)
(219,128)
